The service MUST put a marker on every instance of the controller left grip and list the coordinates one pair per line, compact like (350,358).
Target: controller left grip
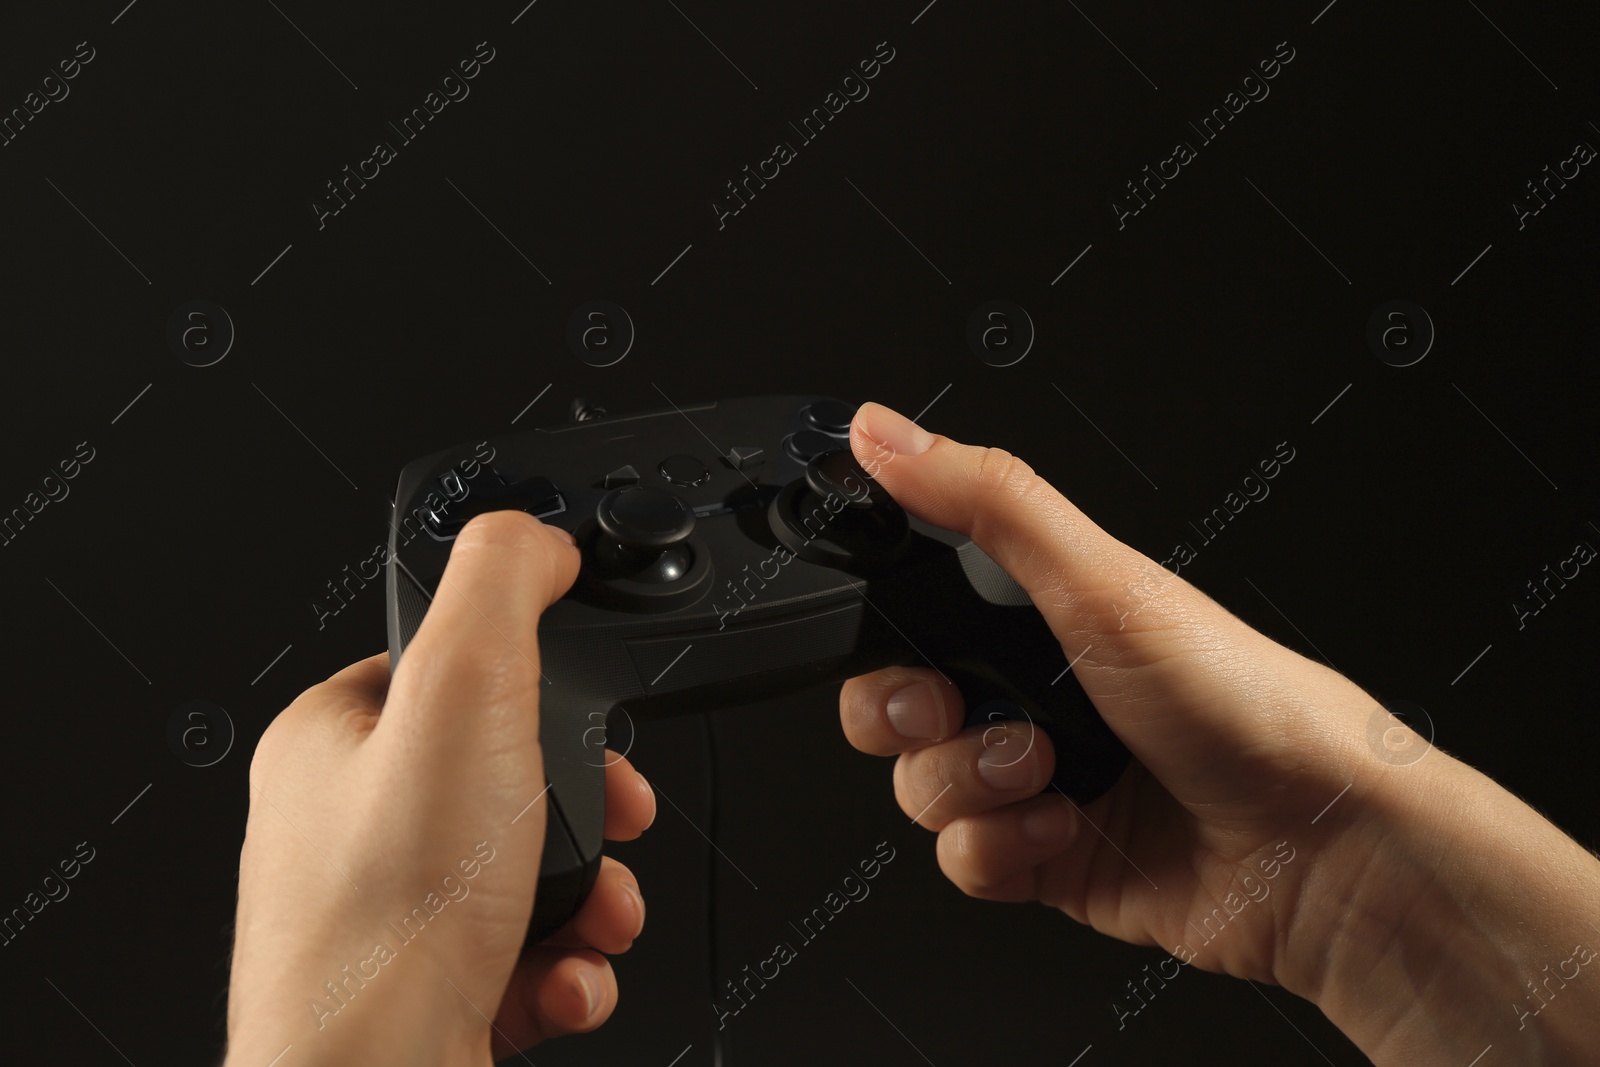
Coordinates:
(572,739)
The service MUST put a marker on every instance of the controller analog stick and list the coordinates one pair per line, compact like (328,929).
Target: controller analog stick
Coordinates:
(838,516)
(830,416)
(642,532)
(837,473)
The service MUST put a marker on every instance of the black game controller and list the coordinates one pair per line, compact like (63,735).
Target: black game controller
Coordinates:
(731,551)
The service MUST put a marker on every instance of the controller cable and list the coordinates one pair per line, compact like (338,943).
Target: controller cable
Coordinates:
(719,1036)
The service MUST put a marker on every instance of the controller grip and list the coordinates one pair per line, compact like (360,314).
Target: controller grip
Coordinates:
(999,651)
(1089,757)
(572,736)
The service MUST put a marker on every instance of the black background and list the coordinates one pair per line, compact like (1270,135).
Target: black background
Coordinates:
(1190,343)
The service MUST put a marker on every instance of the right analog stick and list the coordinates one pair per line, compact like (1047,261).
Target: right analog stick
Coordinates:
(838,516)
(836,472)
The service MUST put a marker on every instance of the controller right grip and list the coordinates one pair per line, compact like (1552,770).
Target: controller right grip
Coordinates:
(999,651)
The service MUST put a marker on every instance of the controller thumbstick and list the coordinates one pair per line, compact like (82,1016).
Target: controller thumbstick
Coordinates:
(642,532)
(836,473)
(838,516)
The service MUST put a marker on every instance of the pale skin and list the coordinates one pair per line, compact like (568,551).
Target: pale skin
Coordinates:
(1415,910)
(356,817)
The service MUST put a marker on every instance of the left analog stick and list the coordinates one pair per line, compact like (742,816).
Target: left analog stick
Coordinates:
(642,533)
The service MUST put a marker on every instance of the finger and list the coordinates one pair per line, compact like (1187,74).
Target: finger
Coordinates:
(981,769)
(1054,551)
(611,917)
(899,709)
(477,647)
(552,992)
(995,855)
(333,713)
(1175,675)
(365,679)
(630,802)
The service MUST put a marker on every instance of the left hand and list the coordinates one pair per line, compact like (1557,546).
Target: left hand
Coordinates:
(394,840)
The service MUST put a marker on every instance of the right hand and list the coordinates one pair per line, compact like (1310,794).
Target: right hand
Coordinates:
(1240,747)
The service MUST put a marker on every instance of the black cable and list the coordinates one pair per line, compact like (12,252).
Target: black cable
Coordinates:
(719,1036)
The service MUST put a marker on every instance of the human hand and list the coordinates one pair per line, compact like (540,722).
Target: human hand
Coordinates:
(1259,832)
(390,859)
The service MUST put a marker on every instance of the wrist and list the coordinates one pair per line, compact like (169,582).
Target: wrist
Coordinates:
(1445,916)
(397,1044)
(408,1026)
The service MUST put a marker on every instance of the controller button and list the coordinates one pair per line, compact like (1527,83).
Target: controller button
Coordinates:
(508,475)
(684,470)
(836,473)
(621,476)
(806,444)
(744,457)
(830,416)
(537,496)
(640,517)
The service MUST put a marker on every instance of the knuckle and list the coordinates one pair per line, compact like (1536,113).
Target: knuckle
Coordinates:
(1003,473)
(324,707)
(1007,505)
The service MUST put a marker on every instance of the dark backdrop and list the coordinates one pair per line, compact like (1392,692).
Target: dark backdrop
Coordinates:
(1170,351)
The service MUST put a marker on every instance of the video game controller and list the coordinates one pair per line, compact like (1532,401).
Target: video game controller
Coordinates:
(731,551)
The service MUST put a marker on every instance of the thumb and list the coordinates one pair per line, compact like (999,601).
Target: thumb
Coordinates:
(1176,676)
(475,659)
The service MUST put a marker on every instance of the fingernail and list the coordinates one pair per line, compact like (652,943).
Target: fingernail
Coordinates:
(896,432)
(591,992)
(1009,763)
(917,712)
(638,903)
(564,535)
(1049,825)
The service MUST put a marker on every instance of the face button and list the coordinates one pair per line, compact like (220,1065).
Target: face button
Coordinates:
(641,517)
(806,444)
(684,470)
(620,477)
(744,458)
(829,416)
